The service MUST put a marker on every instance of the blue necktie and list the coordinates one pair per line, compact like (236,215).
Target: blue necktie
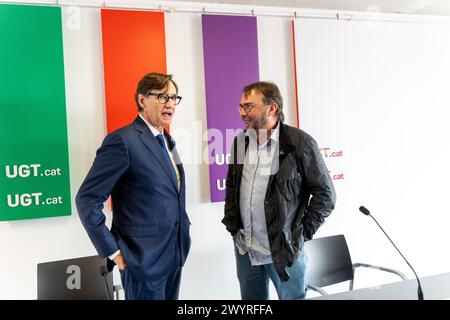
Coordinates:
(161,141)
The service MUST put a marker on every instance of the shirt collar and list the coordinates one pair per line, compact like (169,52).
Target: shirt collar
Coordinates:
(274,137)
(152,128)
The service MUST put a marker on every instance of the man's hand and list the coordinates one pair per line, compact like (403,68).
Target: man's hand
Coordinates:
(120,262)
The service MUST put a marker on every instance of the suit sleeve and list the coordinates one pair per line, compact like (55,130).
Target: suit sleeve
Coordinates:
(320,186)
(109,165)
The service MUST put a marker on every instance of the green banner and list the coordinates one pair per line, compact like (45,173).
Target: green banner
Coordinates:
(34,163)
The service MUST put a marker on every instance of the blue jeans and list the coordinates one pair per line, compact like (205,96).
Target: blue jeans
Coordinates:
(254,280)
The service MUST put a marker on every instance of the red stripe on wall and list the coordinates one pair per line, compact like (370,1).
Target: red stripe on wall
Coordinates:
(133,45)
(295,74)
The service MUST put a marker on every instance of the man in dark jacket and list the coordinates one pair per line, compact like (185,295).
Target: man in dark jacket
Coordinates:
(278,193)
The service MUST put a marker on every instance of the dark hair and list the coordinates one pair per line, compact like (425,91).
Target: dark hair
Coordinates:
(271,94)
(152,81)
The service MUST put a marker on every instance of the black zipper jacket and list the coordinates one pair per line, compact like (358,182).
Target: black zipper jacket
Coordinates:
(299,196)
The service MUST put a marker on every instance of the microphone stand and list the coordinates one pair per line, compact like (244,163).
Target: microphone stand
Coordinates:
(419,288)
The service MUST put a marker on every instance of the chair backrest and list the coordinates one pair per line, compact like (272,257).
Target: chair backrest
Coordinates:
(83,278)
(329,261)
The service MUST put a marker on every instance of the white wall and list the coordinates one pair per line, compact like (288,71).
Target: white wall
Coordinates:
(210,270)
(380,92)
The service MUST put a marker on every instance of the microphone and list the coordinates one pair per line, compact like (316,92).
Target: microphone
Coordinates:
(365,211)
(104,273)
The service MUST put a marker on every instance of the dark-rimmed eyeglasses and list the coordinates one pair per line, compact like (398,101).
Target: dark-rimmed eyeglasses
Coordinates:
(247,107)
(164,98)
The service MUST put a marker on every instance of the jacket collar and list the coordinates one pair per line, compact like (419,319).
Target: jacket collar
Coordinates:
(155,132)
(286,144)
(149,140)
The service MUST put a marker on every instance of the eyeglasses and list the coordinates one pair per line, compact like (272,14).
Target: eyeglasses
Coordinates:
(164,98)
(247,107)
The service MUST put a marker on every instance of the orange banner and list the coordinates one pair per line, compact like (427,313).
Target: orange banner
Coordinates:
(133,45)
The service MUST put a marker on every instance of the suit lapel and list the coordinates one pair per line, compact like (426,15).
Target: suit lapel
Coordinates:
(177,158)
(149,140)
(182,181)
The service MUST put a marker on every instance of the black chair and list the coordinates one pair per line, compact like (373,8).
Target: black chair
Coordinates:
(329,263)
(85,278)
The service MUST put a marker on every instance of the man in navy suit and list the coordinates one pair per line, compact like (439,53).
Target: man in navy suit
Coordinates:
(138,165)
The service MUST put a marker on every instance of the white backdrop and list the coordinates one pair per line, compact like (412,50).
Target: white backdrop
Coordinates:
(380,93)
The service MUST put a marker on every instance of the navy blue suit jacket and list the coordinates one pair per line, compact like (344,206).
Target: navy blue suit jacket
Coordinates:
(149,218)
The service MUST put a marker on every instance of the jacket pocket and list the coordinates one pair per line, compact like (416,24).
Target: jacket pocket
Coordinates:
(139,231)
(290,188)
(289,179)
(290,253)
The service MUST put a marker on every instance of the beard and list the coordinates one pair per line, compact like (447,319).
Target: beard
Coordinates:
(256,123)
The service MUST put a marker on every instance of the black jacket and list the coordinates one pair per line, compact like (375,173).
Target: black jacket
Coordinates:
(298,197)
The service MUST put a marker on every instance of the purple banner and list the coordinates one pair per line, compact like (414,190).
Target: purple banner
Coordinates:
(230,51)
